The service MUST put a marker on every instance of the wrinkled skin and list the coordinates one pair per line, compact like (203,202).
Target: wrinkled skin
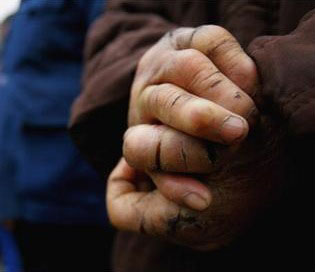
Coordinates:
(242,185)
(239,177)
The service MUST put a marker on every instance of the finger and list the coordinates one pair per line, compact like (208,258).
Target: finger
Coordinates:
(136,211)
(195,116)
(183,190)
(152,213)
(223,49)
(158,147)
(197,74)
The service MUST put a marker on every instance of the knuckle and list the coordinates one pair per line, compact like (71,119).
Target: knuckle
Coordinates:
(206,79)
(180,37)
(212,32)
(215,29)
(244,74)
(219,29)
(175,32)
(249,77)
(200,74)
(223,43)
(141,149)
(200,119)
(157,97)
(163,98)
(148,98)
(152,63)
(177,99)
(248,68)
(187,57)
(217,33)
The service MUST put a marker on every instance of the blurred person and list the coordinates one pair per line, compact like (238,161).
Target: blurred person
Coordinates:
(4,29)
(261,206)
(8,193)
(62,222)
(9,252)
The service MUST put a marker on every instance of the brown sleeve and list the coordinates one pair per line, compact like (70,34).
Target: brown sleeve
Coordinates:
(114,45)
(248,19)
(287,69)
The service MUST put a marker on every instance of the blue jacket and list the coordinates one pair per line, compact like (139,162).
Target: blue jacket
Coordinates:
(42,66)
(9,251)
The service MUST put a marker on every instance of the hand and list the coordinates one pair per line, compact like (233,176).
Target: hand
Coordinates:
(241,187)
(195,82)
(168,79)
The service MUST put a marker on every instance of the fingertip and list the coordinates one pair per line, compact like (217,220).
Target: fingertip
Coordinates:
(234,129)
(122,171)
(140,145)
(183,190)
(195,201)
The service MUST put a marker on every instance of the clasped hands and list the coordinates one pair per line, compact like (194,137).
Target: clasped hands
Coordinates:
(191,110)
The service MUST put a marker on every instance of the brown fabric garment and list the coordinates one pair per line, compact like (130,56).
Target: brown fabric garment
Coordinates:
(114,45)
(129,27)
(290,91)
(286,66)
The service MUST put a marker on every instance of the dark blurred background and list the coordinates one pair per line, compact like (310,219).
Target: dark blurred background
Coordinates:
(52,209)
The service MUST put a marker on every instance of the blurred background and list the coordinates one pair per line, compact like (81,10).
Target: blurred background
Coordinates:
(7,8)
(52,208)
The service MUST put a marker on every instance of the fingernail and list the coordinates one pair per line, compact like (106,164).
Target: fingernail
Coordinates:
(233,129)
(196,202)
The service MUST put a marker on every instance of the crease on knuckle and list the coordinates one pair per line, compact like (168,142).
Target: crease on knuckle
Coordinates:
(161,98)
(176,100)
(233,59)
(203,80)
(226,44)
(164,99)
(144,103)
